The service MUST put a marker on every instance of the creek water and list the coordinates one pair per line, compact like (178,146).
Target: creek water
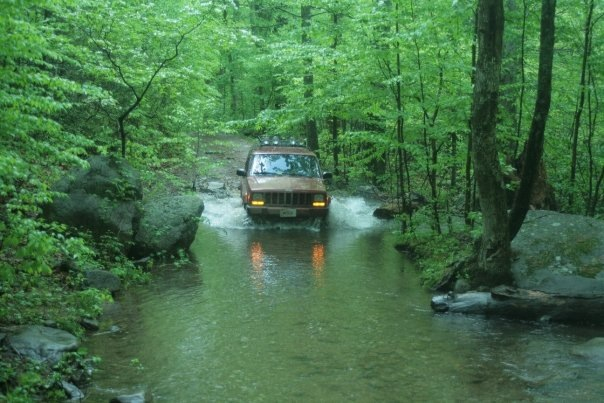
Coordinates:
(276,312)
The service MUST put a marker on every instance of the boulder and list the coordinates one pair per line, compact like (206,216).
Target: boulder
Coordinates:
(41,343)
(90,324)
(391,210)
(103,198)
(106,198)
(387,211)
(110,177)
(168,224)
(103,280)
(560,254)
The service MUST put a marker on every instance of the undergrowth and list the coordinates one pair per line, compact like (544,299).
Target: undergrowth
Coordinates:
(434,253)
(58,298)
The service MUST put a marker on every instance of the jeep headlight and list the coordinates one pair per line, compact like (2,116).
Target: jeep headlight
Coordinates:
(257,199)
(319,200)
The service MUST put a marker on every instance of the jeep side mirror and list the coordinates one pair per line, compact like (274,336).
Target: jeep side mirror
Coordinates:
(327,175)
(241,172)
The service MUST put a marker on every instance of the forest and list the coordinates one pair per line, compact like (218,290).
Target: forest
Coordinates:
(383,90)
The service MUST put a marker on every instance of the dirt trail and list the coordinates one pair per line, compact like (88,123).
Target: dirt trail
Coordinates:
(221,156)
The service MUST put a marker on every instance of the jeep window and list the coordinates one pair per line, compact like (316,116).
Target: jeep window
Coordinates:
(285,165)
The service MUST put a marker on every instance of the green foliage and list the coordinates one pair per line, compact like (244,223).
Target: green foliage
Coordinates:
(47,300)
(32,143)
(110,254)
(435,253)
(26,381)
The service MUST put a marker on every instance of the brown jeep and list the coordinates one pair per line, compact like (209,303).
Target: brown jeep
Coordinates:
(283,179)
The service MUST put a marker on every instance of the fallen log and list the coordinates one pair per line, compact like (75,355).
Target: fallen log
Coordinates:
(524,304)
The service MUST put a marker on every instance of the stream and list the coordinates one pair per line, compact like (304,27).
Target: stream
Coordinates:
(299,312)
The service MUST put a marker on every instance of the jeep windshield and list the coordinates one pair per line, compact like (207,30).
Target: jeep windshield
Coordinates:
(285,165)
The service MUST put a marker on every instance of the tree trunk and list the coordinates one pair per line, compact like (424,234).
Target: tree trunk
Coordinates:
(494,254)
(401,152)
(469,180)
(524,304)
(593,105)
(580,103)
(312,136)
(522,78)
(596,196)
(333,119)
(534,145)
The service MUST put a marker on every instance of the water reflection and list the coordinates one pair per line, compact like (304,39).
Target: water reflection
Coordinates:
(318,262)
(267,261)
(258,269)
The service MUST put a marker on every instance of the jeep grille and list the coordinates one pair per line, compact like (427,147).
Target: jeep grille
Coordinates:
(288,199)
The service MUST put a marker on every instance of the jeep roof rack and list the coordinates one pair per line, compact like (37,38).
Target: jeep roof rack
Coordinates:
(281,142)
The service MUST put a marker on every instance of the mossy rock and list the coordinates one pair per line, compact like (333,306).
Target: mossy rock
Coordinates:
(560,254)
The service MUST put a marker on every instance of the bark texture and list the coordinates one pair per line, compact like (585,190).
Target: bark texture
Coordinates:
(534,146)
(494,255)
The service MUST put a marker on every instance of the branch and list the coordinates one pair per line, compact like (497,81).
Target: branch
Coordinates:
(534,143)
(163,64)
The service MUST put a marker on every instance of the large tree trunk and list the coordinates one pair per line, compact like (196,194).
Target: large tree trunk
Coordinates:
(494,255)
(534,147)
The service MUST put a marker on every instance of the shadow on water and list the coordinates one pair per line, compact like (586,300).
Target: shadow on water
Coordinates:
(294,312)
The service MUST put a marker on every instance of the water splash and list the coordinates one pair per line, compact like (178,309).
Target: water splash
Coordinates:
(345,213)
(224,213)
(352,213)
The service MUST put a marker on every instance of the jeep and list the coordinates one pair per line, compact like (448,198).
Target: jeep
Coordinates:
(283,178)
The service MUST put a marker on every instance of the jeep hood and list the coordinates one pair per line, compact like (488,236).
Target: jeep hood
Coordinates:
(284,184)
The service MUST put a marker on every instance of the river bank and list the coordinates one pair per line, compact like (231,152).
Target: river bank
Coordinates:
(41,308)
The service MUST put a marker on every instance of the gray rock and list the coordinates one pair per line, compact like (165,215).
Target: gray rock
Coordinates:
(215,187)
(168,224)
(41,343)
(560,254)
(90,324)
(97,214)
(106,176)
(103,198)
(592,350)
(74,393)
(103,280)
(386,212)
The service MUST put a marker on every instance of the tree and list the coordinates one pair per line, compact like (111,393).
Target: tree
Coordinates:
(136,67)
(311,123)
(533,150)
(494,253)
(498,230)
(587,47)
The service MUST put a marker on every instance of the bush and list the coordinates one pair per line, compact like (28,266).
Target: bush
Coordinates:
(434,253)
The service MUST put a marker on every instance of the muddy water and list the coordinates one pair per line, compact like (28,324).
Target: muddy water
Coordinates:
(307,313)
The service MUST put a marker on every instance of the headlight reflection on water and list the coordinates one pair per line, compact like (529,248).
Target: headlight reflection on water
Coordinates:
(262,263)
(257,258)
(318,262)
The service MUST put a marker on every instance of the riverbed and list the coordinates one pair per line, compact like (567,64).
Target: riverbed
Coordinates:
(321,313)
